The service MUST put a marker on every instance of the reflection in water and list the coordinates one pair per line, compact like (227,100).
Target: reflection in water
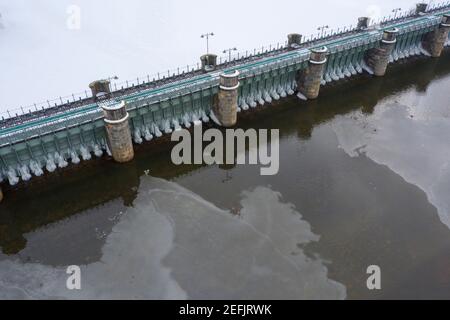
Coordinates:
(174,244)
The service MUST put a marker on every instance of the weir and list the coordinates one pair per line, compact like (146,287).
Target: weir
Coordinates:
(45,140)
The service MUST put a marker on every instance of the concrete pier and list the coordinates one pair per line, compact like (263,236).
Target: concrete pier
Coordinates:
(100,88)
(434,41)
(118,132)
(378,58)
(209,62)
(309,79)
(227,99)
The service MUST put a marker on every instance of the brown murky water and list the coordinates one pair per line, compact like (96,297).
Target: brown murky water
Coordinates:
(364,180)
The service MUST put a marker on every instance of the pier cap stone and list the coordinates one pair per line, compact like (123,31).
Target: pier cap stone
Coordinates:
(118,130)
(318,55)
(363,23)
(390,35)
(421,8)
(100,88)
(229,81)
(115,112)
(294,39)
(209,62)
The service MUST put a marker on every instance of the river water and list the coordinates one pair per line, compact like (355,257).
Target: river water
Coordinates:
(364,180)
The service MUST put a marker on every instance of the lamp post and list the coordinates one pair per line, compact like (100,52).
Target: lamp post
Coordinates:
(322,30)
(207,35)
(395,11)
(112,78)
(110,85)
(229,52)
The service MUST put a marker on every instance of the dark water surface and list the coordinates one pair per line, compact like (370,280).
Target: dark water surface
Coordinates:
(364,180)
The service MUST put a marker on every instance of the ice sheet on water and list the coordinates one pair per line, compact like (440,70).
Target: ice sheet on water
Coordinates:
(411,140)
(174,244)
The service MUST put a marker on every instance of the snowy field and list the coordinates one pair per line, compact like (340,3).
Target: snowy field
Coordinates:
(53,48)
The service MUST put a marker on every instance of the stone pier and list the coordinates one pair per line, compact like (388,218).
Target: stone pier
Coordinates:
(118,132)
(434,41)
(377,59)
(227,99)
(309,79)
